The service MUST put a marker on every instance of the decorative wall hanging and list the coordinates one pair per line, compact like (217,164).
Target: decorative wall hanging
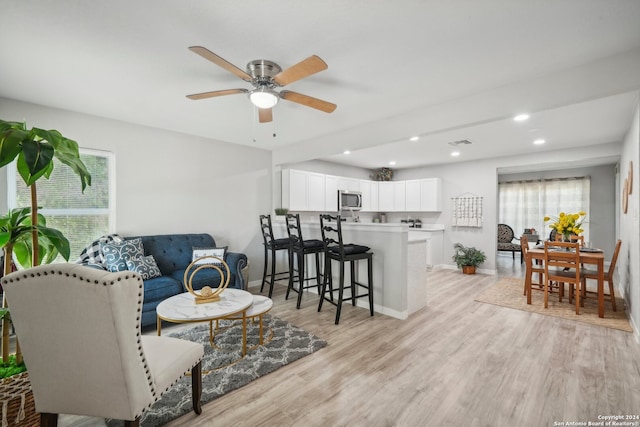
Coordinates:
(467,211)
(625,196)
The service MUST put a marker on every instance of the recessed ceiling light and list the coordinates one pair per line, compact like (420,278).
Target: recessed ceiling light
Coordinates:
(539,141)
(392,162)
(414,138)
(346,152)
(455,153)
(521,117)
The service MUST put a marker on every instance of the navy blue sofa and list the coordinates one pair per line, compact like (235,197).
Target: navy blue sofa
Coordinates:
(173,253)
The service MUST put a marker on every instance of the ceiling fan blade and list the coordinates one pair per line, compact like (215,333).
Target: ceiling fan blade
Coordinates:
(302,69)
(265,115)
(221,62)
(308,101)
(215,93)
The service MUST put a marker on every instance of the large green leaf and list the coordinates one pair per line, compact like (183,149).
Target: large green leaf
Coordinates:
(67,151)
(35,160)
(10,145)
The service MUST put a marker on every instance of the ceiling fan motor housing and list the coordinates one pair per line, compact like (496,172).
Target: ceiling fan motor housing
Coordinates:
(263,71)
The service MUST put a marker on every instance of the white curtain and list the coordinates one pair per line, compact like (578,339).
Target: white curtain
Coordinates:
(524,204)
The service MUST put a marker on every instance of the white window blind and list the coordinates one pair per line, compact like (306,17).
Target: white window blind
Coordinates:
(81,217)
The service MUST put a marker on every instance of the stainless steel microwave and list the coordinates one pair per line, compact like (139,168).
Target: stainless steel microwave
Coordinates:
(349,200)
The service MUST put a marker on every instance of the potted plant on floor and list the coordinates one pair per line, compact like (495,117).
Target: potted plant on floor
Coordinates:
(24,231)
(467,258)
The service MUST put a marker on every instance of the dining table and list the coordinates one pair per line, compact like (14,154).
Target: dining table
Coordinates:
(587,256)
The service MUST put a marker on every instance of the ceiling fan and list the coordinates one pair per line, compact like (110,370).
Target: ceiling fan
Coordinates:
(266,76)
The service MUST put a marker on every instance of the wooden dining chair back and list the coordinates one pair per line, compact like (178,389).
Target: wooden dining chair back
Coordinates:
(562,265)
(536,268)
(608,275)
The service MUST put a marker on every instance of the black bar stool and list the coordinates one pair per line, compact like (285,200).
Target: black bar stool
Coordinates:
(301,248)
(272,245)
(336,250)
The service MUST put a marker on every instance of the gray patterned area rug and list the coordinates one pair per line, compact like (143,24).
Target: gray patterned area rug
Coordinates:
(289,343)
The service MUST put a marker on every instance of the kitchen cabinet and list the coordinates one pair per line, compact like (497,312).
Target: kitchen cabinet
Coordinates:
(431,195)
(424,195)
(303,191)
(385,196)
(399,196)
(348,184)
(413,195)
(330,193)
(369,190)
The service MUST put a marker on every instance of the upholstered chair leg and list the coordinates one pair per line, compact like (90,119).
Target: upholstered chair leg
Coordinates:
(134,423)
(196,387)
(48,420)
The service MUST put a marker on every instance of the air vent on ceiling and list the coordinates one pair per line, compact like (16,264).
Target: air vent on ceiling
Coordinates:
(461,142)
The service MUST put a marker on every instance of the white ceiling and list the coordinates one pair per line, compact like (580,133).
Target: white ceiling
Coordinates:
(443,69)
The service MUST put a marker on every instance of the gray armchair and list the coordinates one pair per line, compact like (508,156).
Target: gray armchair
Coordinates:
(79,329)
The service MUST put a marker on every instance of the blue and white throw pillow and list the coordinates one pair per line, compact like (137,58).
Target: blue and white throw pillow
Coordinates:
(145,266)
(92,254)
(116,255)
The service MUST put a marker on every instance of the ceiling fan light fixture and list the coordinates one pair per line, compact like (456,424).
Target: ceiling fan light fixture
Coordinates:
(263,98)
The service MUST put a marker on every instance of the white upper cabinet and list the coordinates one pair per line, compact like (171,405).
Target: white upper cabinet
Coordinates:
(412,202)
(431,195)
(369,191)
(399,196)
(310,191)
(330,193)
(315,192)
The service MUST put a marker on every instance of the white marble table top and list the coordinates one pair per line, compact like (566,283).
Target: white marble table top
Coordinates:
(182,307)
(261,305)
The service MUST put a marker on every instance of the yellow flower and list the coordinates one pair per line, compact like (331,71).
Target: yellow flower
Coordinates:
(567,223)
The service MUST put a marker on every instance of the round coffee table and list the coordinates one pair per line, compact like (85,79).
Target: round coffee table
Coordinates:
(182,308)
(261,306)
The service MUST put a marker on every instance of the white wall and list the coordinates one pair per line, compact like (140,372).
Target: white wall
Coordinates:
(629,258)
(167,182)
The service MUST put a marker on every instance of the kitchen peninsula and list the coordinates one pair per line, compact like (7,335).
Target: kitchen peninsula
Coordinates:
(399,262)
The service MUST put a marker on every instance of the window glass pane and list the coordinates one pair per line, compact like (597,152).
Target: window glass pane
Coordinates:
(81,217)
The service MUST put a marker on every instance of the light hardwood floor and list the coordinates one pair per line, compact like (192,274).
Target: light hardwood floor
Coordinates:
(455,363)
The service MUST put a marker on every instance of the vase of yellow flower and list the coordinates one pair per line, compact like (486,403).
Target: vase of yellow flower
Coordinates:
(567,224)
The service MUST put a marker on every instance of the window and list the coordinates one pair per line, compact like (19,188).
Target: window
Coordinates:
(524,204)
(81,217)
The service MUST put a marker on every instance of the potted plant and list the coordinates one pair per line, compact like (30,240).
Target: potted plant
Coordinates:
(23,230)
(467,258)
(281,211)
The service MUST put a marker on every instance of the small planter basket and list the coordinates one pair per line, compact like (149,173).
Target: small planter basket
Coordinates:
(18,407)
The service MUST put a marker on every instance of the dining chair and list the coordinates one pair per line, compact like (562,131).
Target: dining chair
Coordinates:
(299,249)
(80,334)
(536,268)
(608,275)
(562,265)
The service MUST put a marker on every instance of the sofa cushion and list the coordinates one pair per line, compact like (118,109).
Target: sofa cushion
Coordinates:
(146,267)
(161,288)
(92,254)
(173,251)
(116,254)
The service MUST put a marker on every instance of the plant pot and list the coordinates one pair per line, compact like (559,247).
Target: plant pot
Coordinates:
(469,269)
